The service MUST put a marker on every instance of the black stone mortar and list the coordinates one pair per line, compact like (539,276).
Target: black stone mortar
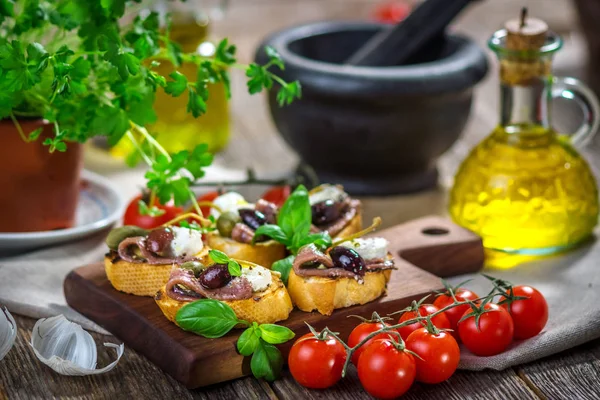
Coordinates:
(375,130)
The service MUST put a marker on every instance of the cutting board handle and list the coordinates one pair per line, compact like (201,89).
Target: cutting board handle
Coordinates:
(437,245)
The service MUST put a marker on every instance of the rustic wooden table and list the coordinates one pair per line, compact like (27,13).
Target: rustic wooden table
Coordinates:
(573,374)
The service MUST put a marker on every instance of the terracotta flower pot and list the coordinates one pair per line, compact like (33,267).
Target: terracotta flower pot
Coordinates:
(39,190)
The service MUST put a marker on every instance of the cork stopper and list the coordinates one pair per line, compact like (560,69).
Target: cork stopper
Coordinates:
(524,34)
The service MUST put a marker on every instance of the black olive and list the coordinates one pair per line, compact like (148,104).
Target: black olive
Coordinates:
(325,212)
(159,241)
(214,277)
(252,218)
(349,259)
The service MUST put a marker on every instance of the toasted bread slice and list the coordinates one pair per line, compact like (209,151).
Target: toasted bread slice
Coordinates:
(352,227)
(140,279)
(263,253)
(327,294)
(266,307)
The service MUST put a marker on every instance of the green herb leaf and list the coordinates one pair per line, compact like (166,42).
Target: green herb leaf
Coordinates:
(207,317)
(178,85)
(225,52)
(295,216)
(320,239)
(234,268)
(153,211)
(272,231)
(275,334)
(259,79)
(288,93)
(248,342)
(218,256)
(266,362)
(34,135)
(284,267)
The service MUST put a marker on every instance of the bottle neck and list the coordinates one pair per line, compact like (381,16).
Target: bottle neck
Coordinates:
(525,105)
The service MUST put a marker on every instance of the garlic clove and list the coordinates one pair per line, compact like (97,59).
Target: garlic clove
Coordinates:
(8,332)
(66,348)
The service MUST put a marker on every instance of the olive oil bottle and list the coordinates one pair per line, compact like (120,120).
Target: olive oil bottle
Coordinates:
(525,189)
(175,128)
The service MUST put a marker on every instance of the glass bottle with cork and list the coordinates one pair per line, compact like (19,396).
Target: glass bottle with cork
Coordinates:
(525,189)
(175,128)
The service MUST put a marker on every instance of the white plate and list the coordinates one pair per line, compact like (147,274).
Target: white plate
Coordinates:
(99,207)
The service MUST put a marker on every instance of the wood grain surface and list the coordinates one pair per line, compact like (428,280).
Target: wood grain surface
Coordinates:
(573,374)
(197,361)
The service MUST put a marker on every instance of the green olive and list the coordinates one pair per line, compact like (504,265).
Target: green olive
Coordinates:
(195,266)
(226,222)
(117,235)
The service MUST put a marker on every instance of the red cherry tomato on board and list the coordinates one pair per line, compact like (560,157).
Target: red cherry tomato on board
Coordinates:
(440,355)
(440,321)
(277,195)
(529,315)
(392,12)
(317,364)
(384,371)
(455,314)
(209,198)
(492,336)
(133,217)
(361,332)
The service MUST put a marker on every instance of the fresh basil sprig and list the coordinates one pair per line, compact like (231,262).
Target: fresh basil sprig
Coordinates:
(293,229)
(214,319)
(219,257)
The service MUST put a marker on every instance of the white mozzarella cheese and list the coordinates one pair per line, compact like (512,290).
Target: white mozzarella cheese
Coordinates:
(327,192)
(230,201)
(259,277)
(186,241)
(369,248)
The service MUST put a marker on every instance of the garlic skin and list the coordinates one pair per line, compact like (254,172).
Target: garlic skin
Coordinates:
(8,332)
(66,348)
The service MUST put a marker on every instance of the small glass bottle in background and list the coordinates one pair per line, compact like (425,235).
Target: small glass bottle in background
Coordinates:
(175,128)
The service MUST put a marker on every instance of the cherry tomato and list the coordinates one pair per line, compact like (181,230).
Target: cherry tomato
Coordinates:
(492,336)
(440,321)
(362,331)
(317,364)
(392,12)
(384,371)
(277,195)
(133,217)
(455,314)
(440,355)
(530,315)
(207,197)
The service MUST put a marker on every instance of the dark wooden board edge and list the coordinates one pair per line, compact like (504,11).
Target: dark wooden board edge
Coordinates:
(172,349)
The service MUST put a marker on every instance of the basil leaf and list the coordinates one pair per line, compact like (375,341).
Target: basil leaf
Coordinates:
(218,256)
(322,240)
(284,267)
(266,361)
(247,342)
(295,215)
(275,334)
(207,317)
(272,231)
(234,268)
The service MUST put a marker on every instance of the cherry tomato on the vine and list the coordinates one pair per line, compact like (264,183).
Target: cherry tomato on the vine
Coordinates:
(384,371)
(493,334)
(454,314)
(440,355)
(440,320)
(529,315)
(277,194)
(361,332)
(132,214)
(207,197)
(317,364)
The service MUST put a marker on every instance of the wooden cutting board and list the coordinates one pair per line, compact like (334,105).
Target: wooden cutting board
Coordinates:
(432,243)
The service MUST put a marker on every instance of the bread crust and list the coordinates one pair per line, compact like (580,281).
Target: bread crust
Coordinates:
(352,227)
(140,279)
(327,294)
(264,253)
(267,307)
